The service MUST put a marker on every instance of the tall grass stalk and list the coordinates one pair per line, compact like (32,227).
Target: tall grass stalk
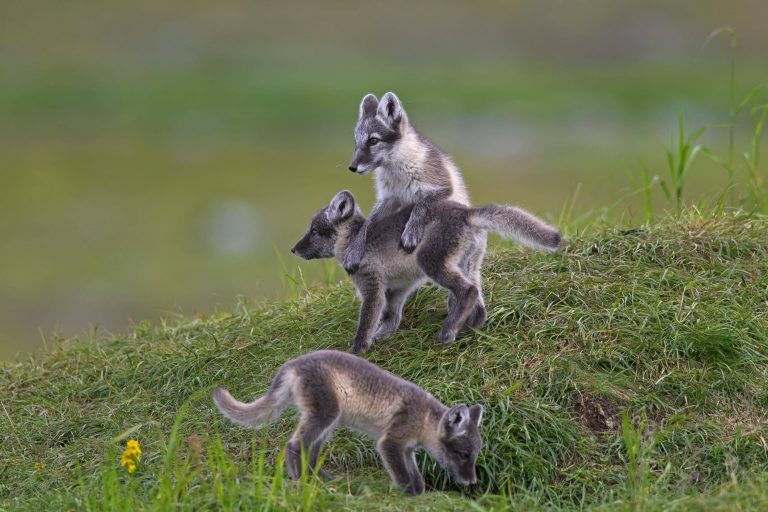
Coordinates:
(680,155)
(640,443)
(754,195)
(756,188)
(684,147)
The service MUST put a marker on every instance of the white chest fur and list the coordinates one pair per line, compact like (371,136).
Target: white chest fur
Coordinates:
(401,183)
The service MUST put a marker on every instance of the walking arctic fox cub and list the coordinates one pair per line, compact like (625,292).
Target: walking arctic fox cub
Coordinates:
(410,172)
(387,275)
(335,388)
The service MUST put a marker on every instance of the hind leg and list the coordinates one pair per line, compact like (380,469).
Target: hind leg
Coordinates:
(308,439)
(441,261)
(479,314)
(465,297)
(319,415)
(471,264)
(393,311)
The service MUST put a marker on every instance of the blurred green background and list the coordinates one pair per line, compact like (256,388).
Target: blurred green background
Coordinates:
(162,157)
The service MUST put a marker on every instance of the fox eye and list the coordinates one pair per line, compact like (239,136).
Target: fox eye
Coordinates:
(373,141)
(313,231)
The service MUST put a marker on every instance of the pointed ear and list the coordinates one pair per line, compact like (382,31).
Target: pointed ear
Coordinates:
(342,206)
(476,414)
(368,106)
(455,421)
(391,109)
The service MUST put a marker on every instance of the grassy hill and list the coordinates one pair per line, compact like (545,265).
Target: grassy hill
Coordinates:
(627,372)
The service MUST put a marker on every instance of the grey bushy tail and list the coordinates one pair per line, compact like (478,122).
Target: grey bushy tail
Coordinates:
(514,222)
(263,410)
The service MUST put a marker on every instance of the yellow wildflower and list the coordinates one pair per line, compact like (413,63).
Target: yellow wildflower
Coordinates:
(131,455)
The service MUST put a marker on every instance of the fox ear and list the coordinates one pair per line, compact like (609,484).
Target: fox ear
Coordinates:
(476,414)
(341,207)
(455,421)
(391,109)
(368,106)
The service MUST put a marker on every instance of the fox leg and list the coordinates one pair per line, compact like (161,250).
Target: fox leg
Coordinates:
(419,218)
(466,297)
(372,292)
(309,438)
(356,249)
(401,465)
(442,263)
(417,481)
(478,316)
(393,311)
(471,265)
(320,413)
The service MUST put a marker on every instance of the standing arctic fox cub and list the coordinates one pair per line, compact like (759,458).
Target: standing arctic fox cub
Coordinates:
(387,275)
(410,171)
(335,388)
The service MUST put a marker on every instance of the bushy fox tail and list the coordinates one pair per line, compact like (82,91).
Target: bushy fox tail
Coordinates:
(263,410)
(513,222)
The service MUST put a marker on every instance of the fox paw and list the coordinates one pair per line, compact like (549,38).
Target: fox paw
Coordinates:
(477,318)
(384,332)
(411,238)
(446,338)
(352,260)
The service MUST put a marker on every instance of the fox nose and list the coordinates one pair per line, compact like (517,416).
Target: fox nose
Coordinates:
(352,168)
(293,250)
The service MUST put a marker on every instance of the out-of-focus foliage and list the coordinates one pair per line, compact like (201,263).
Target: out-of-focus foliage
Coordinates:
(163,156)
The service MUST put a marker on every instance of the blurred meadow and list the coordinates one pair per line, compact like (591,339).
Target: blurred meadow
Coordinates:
(162,157)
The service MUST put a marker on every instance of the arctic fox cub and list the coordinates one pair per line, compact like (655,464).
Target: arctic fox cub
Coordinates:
(388,275)
(335,388)
(410,171)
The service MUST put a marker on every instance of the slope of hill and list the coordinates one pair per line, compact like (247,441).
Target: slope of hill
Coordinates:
(627,372)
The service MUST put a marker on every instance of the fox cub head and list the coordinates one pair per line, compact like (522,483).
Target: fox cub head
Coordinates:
(459,442)
(379,127)
(320,239)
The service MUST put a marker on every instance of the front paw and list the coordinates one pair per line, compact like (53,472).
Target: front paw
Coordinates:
(411,238)
(477,318)
(359,346)
(351,262)
(446,337)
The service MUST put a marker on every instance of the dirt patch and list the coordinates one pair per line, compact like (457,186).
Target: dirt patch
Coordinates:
(598,413)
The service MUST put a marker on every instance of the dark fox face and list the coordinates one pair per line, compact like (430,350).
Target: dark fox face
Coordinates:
(461,442)
(378,129)
(320,239)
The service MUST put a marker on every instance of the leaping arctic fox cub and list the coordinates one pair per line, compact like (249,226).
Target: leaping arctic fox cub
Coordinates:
(335,388)
(410,172)
(387,275)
